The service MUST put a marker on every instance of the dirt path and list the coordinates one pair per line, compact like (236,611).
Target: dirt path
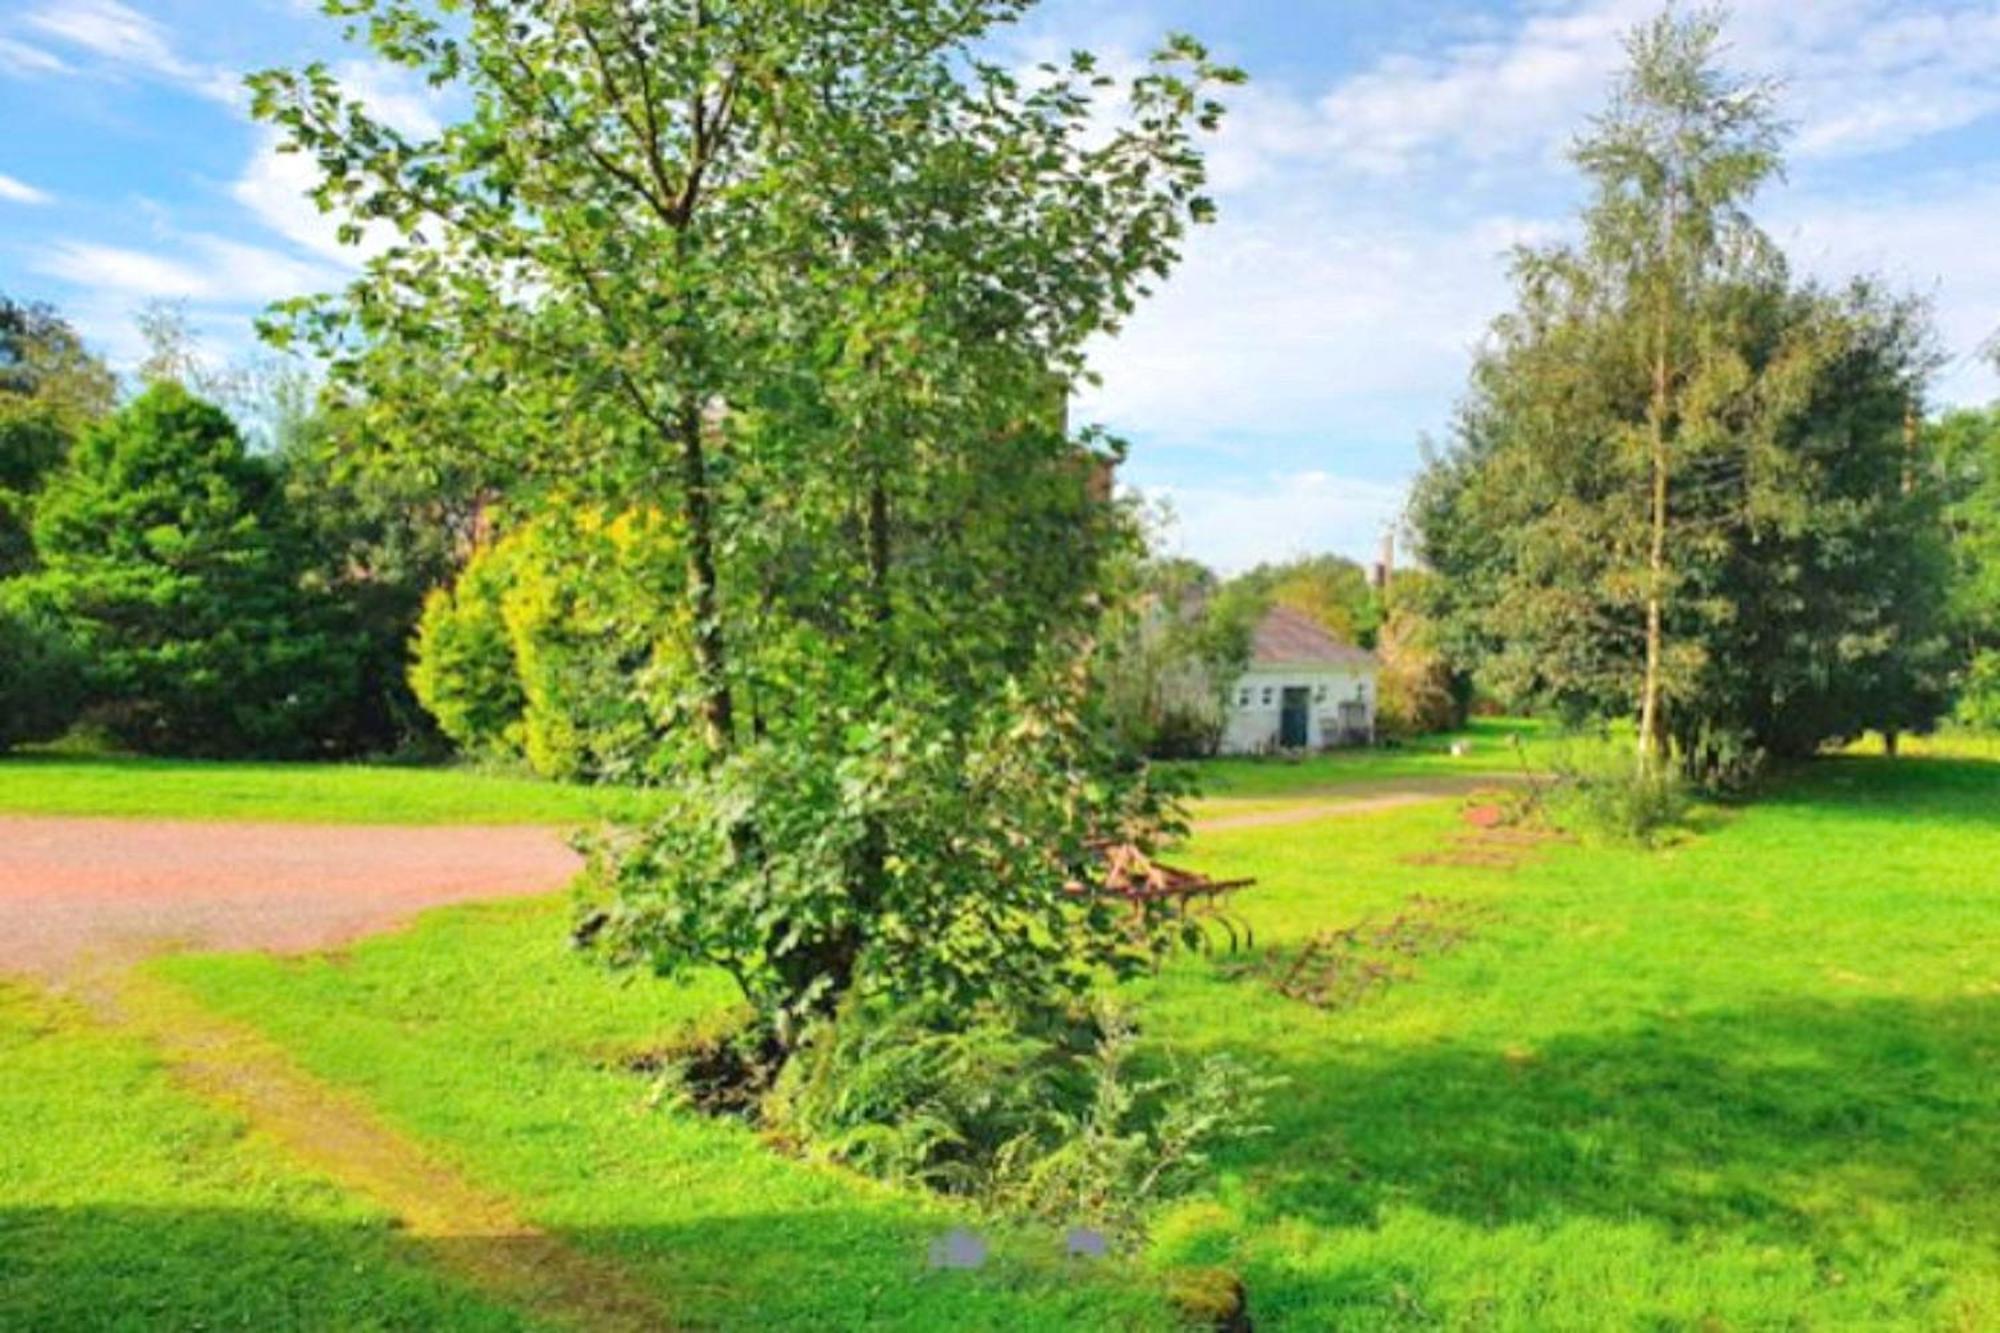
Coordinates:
(1360,799)
(111,890)
(475,1235)
(82,899)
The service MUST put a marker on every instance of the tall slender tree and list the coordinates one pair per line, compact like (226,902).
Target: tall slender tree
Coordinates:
(1674,164)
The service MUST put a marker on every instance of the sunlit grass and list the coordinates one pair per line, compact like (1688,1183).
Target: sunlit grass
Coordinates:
(126,1203)
(130,787)
(1744,1082)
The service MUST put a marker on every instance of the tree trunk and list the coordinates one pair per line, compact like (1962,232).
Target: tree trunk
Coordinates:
(1653,744)
(711,656)
(1652,713)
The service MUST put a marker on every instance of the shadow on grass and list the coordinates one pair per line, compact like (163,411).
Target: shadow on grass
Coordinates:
(1910,791)
(131,1266)
(1735,1119)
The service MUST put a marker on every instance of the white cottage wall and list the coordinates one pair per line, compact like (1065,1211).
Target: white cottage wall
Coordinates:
(1256,705)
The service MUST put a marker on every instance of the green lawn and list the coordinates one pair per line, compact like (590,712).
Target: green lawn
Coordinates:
(479,1034)
(52,782)
(127,1204)
(1745,1083)
(129,787)
(1490,746)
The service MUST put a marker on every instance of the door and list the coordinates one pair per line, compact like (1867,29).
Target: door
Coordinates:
(1295,723)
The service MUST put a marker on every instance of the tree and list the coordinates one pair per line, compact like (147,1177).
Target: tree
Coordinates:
(1674,164)
(168,556)
(1967,447)
(1332,589)
(384,535)
(41,691)
(538,652)
(51,387)
(1171,657)
(1683,486)
(814,280)
(1421,688)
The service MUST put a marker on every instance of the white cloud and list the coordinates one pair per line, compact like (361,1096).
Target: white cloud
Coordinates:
(209,270)
(1233,527)
(130,273)
(1934,238)
(1314,321)
(397,97)
(109,29)
(18,57)
(20,192)
(1860,76)
(123,37)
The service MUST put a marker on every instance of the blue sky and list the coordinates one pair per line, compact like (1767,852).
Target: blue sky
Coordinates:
(1373,175)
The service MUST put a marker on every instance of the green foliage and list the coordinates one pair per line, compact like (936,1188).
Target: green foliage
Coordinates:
(1966,445)
(382,536)
(1416,689)
(1979,696)
(168,555)
(462,665)
(1170,657)
(51,387)
(541,649)
(1684,486)
(1600,794)
(1057,1120)
(1331,589)
(922,855)
(814,283)
(41,690)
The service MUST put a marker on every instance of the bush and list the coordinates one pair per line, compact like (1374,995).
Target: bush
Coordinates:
(1416,695)
(463,668)
(1603,791)
(1051,1119)
(41,687)
(537,651)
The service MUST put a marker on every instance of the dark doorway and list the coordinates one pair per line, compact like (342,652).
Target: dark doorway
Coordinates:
(1295,723)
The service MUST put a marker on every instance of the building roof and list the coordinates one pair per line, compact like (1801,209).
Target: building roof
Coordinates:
(1291,638)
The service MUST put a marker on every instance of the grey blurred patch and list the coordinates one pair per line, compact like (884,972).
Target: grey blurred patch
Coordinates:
(958,1248)
(1087,1243)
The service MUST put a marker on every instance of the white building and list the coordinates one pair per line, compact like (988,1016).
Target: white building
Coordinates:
(1304,690)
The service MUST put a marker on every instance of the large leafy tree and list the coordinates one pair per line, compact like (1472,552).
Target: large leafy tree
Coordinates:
(1684,487)
(51,387)
(167,552)
(814,281)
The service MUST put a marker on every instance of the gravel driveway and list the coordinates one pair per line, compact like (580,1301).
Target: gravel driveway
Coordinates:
(110,890)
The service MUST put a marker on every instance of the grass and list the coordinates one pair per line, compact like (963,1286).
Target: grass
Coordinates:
(85,784)
(122,786)
(477,1034)
(127,1204)
(1743,1083)
(1746,1083)
(1489,746)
